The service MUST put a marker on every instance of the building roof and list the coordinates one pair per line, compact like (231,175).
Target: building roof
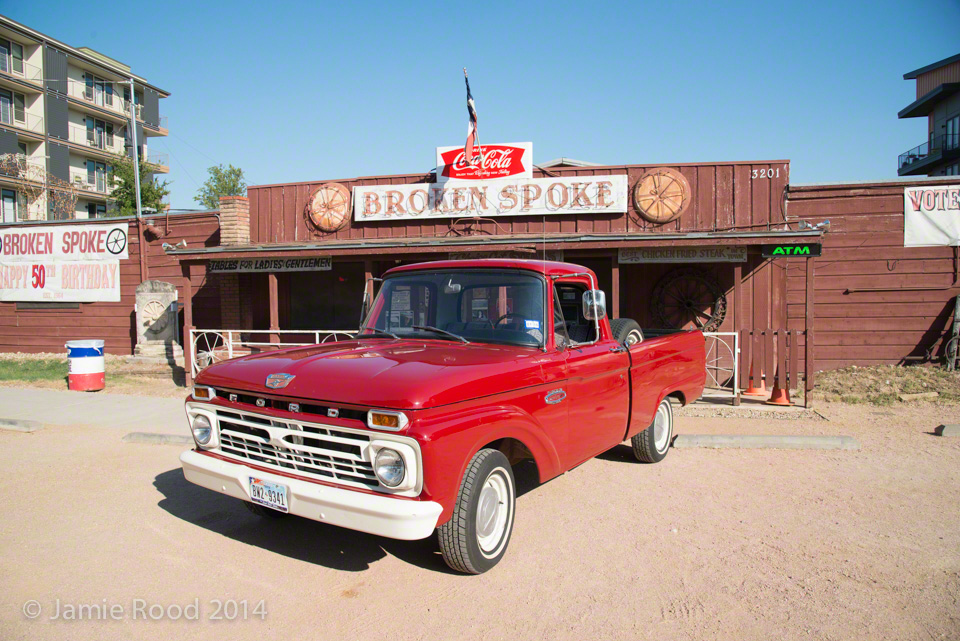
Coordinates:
(525,242)
(936,65)
(924,105)
(567,162)
(83,53)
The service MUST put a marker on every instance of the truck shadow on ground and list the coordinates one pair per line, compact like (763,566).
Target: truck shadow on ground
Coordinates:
(299,538)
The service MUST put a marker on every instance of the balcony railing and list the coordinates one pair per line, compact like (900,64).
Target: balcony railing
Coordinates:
(96,139)
(159,159)
(20,167)
(23,120)
(20,69)
(99,96)
(934,147)
(101,184)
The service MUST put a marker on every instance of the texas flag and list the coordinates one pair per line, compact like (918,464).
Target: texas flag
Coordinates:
(470,150)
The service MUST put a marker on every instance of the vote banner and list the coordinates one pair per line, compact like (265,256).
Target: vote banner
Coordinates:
(931,216)
(60,281)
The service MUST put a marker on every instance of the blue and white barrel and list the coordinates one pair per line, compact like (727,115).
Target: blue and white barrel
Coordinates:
(85,370)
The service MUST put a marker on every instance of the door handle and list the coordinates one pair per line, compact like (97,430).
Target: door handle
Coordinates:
(618,349)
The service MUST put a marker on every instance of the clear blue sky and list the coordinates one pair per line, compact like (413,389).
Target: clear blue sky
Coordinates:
(308,91)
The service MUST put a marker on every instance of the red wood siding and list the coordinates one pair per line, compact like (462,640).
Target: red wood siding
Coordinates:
(864,249)
(47,330)
(724,195)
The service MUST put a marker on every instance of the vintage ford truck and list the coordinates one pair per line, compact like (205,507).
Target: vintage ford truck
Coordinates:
(460,370)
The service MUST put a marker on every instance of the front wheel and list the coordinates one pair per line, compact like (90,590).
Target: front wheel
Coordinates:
(476,536)
(652,444)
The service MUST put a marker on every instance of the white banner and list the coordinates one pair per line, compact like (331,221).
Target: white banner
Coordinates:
(63,242)
(60,281)
(250,265)
(931,216)
(493,199)
(629,255)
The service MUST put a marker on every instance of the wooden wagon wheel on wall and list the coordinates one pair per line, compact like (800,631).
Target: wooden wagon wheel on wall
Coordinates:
(689,298)
(328,207)
(661,195)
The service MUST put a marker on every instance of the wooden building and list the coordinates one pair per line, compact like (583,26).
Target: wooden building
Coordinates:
(711,250)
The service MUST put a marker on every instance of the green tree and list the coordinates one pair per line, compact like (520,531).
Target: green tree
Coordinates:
(223,181)
(152,192)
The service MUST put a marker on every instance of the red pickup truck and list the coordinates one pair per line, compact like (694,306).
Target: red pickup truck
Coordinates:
(460,370)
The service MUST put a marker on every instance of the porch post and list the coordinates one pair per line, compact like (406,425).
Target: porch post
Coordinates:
(615,287)
(274,306)
(737,323)
(187,324)
(808,359)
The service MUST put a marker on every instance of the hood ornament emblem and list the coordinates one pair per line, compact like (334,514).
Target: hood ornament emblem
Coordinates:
(276,381)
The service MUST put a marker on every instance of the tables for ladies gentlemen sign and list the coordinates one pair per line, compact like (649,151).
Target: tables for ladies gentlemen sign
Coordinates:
(931,216)
(62,263)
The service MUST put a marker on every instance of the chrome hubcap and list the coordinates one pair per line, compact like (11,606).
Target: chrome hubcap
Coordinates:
(492,513)
(661,427)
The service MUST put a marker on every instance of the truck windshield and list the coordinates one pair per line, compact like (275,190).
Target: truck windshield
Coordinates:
(482,306)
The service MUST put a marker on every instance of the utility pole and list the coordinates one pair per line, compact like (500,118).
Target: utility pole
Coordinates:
(133,137)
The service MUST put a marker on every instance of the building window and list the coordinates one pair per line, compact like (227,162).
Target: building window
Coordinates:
(952,170)
(11,57)
(99,133)
(97,90)
(12,107)
(96,210)
(22,146)
(9,206)
(953,133)
(97,175)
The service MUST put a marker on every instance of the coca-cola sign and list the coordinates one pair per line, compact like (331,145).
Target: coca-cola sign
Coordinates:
(495,162)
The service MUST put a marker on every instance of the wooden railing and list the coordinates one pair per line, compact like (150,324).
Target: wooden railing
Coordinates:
(772,356)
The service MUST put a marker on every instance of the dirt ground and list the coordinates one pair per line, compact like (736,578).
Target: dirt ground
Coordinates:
(709,544)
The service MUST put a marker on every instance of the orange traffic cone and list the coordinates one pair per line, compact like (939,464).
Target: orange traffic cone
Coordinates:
(780,395)
(755,391)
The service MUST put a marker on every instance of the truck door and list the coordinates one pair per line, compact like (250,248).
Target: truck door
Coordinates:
(598,391)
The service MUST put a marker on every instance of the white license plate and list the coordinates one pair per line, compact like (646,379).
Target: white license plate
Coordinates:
(272,495)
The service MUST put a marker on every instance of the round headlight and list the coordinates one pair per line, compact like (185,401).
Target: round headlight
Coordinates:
(202,429)
(389,467)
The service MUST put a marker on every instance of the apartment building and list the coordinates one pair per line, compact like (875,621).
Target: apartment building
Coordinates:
(64,116)
(938,100)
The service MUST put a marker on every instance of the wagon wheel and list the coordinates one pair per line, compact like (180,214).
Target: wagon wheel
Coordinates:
(210,348)
(328,207)
(950,353)
(688,298)
(719,363)
(661,195)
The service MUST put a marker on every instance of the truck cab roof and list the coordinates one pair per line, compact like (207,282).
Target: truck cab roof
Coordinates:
(545,267)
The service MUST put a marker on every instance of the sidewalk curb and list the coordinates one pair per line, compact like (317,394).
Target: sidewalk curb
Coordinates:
(19,425)
(947,430)
(774,441)
(152,438)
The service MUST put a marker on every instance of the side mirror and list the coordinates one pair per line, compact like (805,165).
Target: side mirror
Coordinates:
(594,304)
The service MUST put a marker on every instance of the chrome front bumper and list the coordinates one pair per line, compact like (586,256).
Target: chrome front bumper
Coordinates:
(396,518)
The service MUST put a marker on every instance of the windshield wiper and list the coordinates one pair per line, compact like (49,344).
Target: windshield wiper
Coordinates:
(441,331)
(378,331)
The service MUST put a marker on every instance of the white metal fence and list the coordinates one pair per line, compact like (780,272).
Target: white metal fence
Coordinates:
(723,363)
(215,345)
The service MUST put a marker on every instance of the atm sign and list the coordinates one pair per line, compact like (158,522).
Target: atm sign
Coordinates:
(805,250)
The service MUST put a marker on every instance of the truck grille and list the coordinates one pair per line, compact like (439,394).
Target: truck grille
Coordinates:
(327,453)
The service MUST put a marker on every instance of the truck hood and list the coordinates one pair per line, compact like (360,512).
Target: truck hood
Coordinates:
(391,374)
